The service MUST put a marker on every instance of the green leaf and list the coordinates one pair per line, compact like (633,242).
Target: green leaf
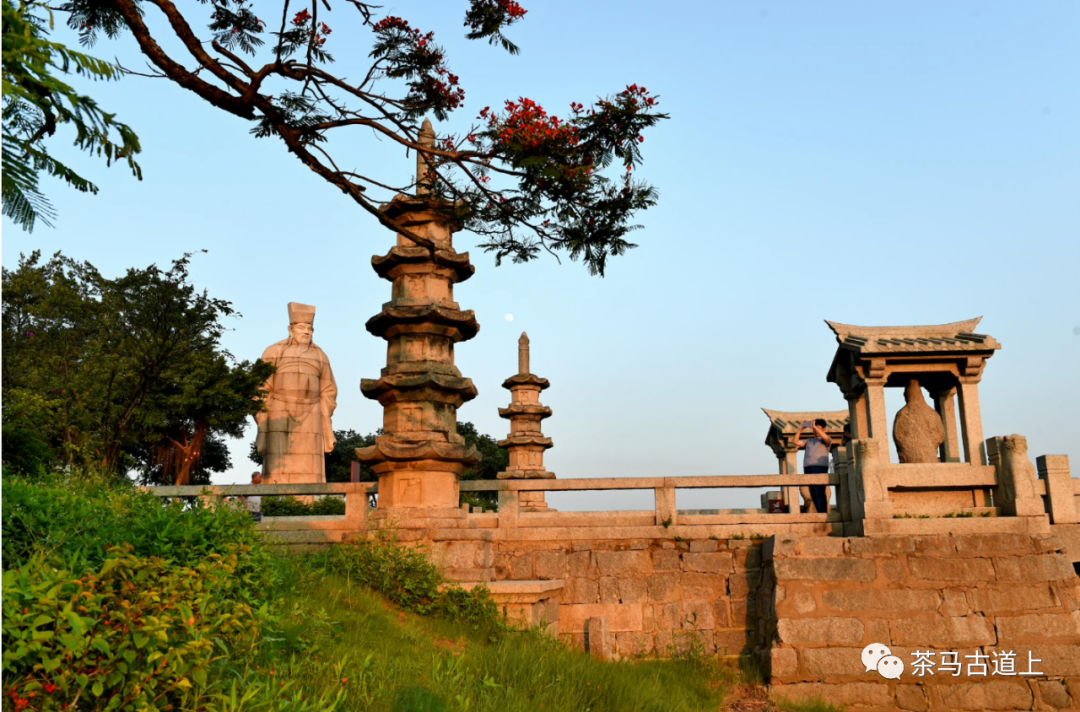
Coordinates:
(76,622)
(102,645)
(97,689)
(141,639)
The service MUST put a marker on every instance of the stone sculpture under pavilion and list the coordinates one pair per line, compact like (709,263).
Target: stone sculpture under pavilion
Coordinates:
(295,430)
(946,359)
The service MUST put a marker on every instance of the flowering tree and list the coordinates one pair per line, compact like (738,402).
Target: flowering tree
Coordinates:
(520,177)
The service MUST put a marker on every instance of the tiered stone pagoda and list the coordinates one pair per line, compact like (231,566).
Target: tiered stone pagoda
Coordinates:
(420,455)
(526,442)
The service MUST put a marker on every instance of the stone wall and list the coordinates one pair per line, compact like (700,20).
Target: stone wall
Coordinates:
(825,599)
(657,595)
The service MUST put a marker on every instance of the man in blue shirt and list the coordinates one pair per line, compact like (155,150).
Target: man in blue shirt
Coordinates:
(816,460)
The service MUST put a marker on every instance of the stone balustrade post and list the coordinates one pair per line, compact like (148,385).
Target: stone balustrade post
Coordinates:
(666,513)
(356,506)
(1015,493)
(508,508)
(871,488)
(1060,491)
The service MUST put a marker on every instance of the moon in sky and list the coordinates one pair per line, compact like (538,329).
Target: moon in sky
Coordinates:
(509,317)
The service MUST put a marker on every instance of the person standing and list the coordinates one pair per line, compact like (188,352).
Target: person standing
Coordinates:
(253,502)
(816,460)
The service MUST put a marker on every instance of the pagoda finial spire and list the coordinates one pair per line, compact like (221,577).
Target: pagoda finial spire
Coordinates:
(423,165)
(523,354)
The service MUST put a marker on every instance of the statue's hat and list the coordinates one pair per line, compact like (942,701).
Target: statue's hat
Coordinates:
(301,313)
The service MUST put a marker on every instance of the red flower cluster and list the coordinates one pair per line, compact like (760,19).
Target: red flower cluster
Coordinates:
(528,126)
(635,94)
(512,9)
(301,18)
(487,14)
(19,701)
(429,90)
(391,23)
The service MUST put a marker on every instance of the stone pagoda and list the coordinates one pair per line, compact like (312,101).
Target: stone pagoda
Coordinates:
(420,455)
(526,443)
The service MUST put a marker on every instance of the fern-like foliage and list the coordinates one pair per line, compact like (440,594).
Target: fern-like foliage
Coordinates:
(36,101)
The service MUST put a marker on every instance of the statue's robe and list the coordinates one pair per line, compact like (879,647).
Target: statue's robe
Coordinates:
(917,430)
(295,430)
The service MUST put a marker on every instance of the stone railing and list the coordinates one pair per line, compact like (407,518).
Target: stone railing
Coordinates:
(510,514)
(890,498)
(872,496)
(665,512)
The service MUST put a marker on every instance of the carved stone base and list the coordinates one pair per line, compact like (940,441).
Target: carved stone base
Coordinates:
(419,484)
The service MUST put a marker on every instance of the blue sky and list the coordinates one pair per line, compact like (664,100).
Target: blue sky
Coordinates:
(870,163)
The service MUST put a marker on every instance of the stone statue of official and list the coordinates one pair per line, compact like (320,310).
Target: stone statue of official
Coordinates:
(295,430)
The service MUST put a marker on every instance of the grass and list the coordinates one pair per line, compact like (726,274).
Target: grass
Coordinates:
(808,706)
(337,635)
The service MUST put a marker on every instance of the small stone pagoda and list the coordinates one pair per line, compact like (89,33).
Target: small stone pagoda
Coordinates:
(420,455)
(526,442)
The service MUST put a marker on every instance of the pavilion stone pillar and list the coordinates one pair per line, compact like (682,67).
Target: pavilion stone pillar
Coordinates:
(875,406)
(971,421)
(857,415)
(420,455)
(526,442)
(945,404)
(791,467)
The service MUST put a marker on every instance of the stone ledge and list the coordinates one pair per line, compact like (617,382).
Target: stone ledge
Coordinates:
(519,590)
(959,525)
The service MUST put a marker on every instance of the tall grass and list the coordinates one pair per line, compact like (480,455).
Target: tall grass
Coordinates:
(338,634)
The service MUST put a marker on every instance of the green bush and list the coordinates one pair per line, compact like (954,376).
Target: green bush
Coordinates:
(74,523)
(406,577)
(140,632)
(292,507)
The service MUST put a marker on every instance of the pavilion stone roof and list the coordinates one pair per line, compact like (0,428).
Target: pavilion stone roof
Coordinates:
(789,421)
(942,338)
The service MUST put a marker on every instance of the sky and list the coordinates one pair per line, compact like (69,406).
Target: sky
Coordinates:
(868,163)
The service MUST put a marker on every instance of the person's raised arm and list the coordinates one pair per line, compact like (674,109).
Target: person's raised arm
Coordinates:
(822,435)
(798,441)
